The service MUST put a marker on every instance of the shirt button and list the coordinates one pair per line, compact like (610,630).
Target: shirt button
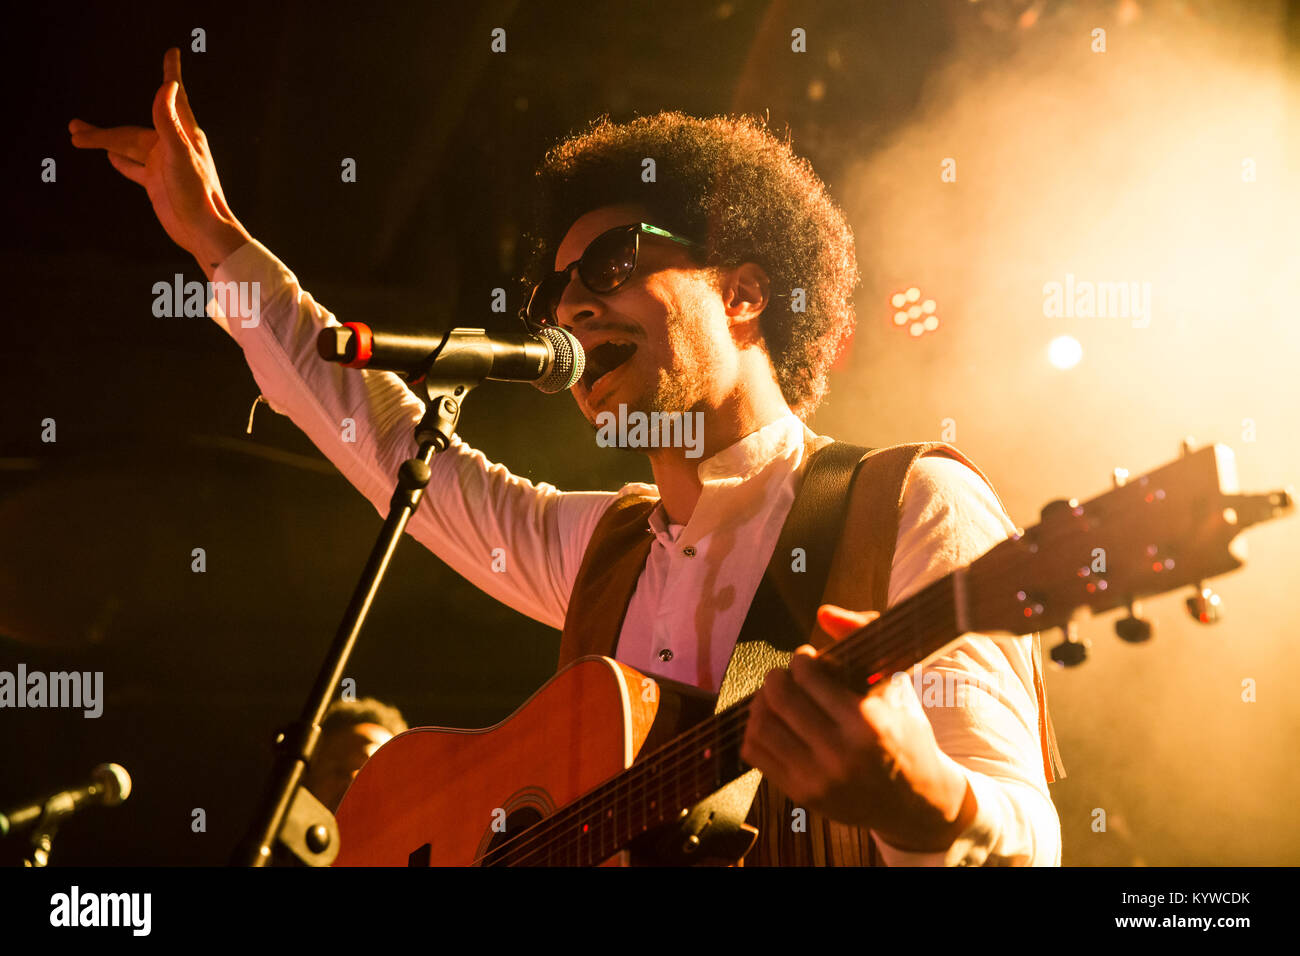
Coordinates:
(689,550)
(665,655)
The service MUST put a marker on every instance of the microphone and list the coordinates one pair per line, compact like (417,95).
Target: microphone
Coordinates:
(550,359)
(109,785)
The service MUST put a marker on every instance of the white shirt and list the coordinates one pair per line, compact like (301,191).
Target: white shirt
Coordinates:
(690,604)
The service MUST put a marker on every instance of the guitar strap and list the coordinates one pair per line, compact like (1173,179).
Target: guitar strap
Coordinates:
(781,617)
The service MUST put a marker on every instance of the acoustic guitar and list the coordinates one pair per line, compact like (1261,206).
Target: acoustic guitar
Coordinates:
(563,781)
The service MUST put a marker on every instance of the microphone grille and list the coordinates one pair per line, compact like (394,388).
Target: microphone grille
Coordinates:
(569,361)
(114,781)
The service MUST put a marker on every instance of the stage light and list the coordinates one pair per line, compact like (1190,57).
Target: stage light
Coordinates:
(919,316)
(1064,351)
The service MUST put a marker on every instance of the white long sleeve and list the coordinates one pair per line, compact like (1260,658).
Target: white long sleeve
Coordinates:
(950,517)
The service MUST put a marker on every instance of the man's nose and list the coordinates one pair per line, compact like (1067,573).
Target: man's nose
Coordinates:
(577,303)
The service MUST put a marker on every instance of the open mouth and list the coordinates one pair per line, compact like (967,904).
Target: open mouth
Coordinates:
(603,359)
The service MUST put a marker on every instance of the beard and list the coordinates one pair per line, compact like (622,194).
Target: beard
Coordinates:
(681,385)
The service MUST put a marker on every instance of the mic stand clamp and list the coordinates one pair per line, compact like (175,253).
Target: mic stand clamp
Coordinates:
(288,813)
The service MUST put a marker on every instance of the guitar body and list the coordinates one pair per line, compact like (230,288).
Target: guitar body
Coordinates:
(431,796)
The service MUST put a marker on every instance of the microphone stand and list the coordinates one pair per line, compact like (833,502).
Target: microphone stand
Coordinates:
(288,813)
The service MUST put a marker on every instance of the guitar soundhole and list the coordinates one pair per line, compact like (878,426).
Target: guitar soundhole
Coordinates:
(524,808)
(516,823)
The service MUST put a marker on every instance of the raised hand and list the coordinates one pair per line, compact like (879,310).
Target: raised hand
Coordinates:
(174,165)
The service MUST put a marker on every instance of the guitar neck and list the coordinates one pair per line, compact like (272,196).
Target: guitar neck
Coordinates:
(689,768)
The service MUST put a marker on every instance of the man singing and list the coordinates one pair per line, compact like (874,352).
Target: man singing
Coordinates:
(679,291)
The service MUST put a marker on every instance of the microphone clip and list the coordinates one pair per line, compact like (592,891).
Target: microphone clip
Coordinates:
(442,407)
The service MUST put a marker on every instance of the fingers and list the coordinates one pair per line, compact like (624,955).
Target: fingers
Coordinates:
(165,119)
(771,746)
(785,775)
(837,703)
(127,167)
(130,141)
(840,623)
(784,696)
(172,74)
(173,122)
(172,66)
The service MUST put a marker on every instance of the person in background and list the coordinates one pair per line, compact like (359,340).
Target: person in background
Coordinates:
(351,732)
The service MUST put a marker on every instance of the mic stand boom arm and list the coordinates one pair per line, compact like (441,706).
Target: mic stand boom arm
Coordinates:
(288,812)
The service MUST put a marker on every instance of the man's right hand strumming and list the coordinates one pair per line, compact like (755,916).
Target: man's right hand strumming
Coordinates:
(174,165)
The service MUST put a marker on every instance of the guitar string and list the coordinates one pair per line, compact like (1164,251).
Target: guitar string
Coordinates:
(723,731)
(718,733)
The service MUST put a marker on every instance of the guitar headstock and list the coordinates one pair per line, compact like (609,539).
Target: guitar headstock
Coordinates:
(1172,527)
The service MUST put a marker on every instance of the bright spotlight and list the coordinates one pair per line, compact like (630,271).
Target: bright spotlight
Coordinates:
(1064,351)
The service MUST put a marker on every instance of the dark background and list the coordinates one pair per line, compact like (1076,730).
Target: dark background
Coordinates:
(151,459)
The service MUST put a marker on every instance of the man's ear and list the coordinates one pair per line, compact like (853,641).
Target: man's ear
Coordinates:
(745,294)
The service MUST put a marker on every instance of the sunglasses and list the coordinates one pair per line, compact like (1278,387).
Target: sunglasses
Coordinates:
(606,264)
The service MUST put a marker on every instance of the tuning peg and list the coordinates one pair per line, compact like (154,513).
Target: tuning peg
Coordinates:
(1204,605)
(1119,477)
(1133,629)
(1072,651)
(1187,447)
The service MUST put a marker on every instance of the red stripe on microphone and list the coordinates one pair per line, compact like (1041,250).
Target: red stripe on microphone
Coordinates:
(365,344)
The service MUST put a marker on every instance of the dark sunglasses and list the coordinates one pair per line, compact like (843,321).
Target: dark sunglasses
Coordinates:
(605,265)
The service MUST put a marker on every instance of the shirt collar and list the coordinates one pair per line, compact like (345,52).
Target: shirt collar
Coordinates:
(755,451)
(741,461)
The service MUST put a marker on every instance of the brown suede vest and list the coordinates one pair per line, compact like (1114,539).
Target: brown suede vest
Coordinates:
(858,579)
